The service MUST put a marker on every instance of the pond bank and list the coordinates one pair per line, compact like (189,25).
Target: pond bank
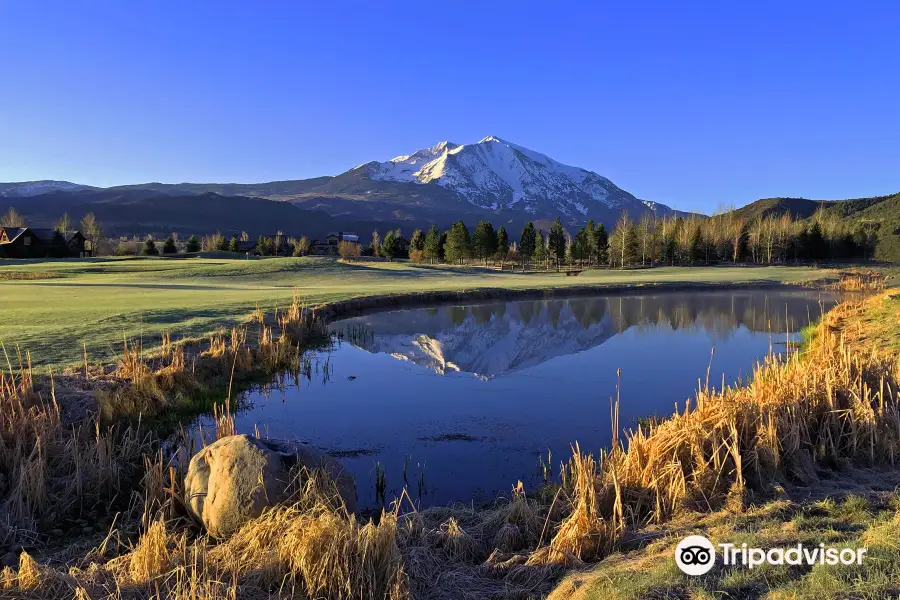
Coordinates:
(356,306)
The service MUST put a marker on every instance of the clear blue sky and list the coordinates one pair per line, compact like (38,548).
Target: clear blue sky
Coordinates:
(691,104)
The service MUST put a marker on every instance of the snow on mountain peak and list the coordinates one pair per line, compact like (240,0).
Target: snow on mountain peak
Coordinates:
(24,189)
(495,174)
(490,138)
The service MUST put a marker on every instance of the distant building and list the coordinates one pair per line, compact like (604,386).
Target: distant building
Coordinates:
(329,247)
(24,242)
(247,247)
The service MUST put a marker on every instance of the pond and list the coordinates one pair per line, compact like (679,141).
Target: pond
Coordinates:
(458,403)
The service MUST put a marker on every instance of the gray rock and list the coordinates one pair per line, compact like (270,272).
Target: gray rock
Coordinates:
(237,477)
(57,532)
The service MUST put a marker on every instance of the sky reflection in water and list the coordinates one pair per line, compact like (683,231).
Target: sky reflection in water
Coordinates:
(467,398)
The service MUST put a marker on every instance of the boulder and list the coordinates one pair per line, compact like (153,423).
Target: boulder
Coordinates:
(237,477)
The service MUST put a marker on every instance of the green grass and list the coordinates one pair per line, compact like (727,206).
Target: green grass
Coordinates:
(97,302)
(854,521)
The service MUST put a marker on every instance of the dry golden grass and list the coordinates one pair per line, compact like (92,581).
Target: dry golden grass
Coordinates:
(829,405)
(55,468)
(861,281)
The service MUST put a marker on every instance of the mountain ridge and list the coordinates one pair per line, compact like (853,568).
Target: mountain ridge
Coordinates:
(490,179)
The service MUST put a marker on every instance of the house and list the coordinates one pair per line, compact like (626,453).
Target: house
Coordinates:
(323,248)
(24,242)
(329,247)
(247,247)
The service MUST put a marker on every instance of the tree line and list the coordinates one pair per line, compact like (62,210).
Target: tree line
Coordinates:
(651,240)
(672,240)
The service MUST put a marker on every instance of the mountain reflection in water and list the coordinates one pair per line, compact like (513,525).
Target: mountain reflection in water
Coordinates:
(493,339)
(546,370)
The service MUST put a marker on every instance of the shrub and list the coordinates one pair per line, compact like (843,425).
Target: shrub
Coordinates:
(150,248)
(125,249)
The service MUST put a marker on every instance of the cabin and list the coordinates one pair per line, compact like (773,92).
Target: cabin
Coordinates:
(24,242)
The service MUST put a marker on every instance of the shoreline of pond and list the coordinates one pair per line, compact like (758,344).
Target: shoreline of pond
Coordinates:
(341,309)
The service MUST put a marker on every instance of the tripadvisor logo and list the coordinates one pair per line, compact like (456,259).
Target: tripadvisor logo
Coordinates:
(696,555)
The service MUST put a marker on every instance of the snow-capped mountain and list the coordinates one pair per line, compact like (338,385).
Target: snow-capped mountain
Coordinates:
(492,179)
(24,189)
(495,174)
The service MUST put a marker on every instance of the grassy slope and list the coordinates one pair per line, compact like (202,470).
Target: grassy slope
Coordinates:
(850,508)
(853,520)
(96,302)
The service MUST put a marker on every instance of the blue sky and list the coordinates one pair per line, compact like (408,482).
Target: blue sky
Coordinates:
(691,104)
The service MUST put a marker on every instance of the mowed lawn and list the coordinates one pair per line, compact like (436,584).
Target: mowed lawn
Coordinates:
(96,302)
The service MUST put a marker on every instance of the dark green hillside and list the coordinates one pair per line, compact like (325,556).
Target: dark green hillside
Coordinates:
(142,211)
(798,207)
(879,215)
(876,208)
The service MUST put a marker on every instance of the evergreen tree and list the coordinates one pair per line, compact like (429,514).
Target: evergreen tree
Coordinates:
(234,244)
(417,241)
(581,248)
(502,243)
(459,244)
(432,248)
(389,245)
(588,250)
(541,255)
(149,247)
(601,245)
(442,245)
(484,242)
(556,242)
(169,246)
(527,243)
(697,245)
(193,245)
(816,247)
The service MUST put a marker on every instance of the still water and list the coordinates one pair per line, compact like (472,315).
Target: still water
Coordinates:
(458,403)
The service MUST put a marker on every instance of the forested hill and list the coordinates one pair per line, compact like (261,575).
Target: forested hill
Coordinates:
(802,208)
(880,215)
